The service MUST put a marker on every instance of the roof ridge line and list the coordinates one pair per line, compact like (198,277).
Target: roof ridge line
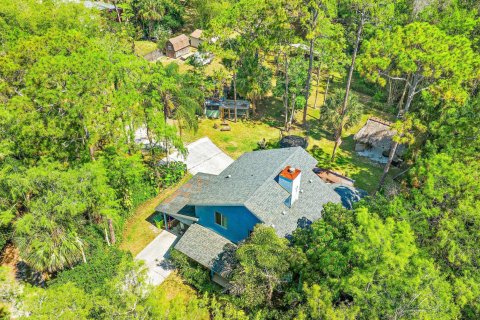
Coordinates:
(275,173)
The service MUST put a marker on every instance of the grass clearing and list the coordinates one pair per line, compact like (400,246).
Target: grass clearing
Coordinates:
(176,288)
(245,135)
(144,47)
(138,232)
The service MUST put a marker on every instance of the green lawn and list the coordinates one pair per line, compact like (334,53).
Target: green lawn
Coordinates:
(144,47)
(138,232)
(245,135)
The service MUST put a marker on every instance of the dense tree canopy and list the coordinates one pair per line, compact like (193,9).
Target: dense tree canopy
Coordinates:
(74,97)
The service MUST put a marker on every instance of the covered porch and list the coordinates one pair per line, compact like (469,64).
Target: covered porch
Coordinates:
(178,223)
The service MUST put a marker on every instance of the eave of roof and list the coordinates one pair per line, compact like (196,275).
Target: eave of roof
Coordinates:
(206,247)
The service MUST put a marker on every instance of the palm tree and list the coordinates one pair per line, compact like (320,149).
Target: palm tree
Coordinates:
(334,118)
(49,246)
(181,97)
(150,11)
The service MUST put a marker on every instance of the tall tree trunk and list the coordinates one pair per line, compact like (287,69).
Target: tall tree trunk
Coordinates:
(112,231)
(235,94)
(285,100)
(307,86)
(106,237)
(180,128)
(402,98)
(338,134)
(326,90)
(119,18)
(91,150)
(316,91)
(292,113)
(391,155)
(149,134)
(401,114)
(390,93)
(313,25)
(411,94)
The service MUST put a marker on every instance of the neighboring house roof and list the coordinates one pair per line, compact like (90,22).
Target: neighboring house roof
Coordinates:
(197,34)
(376,132)
(251,181)
(179,42)
(207,248)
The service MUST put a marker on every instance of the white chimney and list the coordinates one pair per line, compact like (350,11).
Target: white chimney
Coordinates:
(289,179)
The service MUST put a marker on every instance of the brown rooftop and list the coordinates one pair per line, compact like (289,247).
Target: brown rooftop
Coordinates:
(196,34)
(290,173)
(179,42)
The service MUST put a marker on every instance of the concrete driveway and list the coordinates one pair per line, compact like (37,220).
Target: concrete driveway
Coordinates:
(155,256)
(203,156)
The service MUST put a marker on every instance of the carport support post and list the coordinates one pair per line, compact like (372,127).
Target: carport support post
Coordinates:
(165,221)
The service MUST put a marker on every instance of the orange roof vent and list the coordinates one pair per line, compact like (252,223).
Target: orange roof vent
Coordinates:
(290,173)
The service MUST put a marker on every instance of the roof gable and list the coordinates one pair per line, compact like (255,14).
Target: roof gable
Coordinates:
(197,34)
(179,42)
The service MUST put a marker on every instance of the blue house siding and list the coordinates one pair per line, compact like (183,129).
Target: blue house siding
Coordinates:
(240,221)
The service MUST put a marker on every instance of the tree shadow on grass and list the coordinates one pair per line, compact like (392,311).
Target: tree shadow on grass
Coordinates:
(365,172)
(316,131)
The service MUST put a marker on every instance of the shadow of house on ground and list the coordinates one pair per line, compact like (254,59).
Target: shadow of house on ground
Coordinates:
(349,195)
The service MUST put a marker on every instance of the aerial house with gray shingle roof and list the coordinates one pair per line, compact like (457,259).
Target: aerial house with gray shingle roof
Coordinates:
(213,213)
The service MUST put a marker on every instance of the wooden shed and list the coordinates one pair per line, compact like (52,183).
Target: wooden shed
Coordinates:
(177,46)
(196,38)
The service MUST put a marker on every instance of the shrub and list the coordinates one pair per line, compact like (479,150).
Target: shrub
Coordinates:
(101,266)
(131,178)
(193,273)
(171,173)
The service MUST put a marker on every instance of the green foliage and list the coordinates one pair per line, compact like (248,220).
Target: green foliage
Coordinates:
(442,207)
(425,57)
(70,197)
(331,116)
(253,78)
(171,173)
(370,268)
(263,270)
(152,15)
(130,178)
(66,301)
(195,275)
(102,265)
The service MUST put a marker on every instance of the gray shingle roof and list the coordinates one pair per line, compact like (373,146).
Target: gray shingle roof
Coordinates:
(182,197)
(250,181)
(207,248)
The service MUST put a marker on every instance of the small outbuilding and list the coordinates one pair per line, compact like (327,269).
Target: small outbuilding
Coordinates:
(374,140)
(177,46)
(196,38)
(225,108)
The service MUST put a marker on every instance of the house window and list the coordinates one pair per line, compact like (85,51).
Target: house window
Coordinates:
(220,219)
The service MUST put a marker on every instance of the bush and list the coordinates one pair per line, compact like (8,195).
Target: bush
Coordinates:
(92,276)
(131,178)
(193,273)
(171,173)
